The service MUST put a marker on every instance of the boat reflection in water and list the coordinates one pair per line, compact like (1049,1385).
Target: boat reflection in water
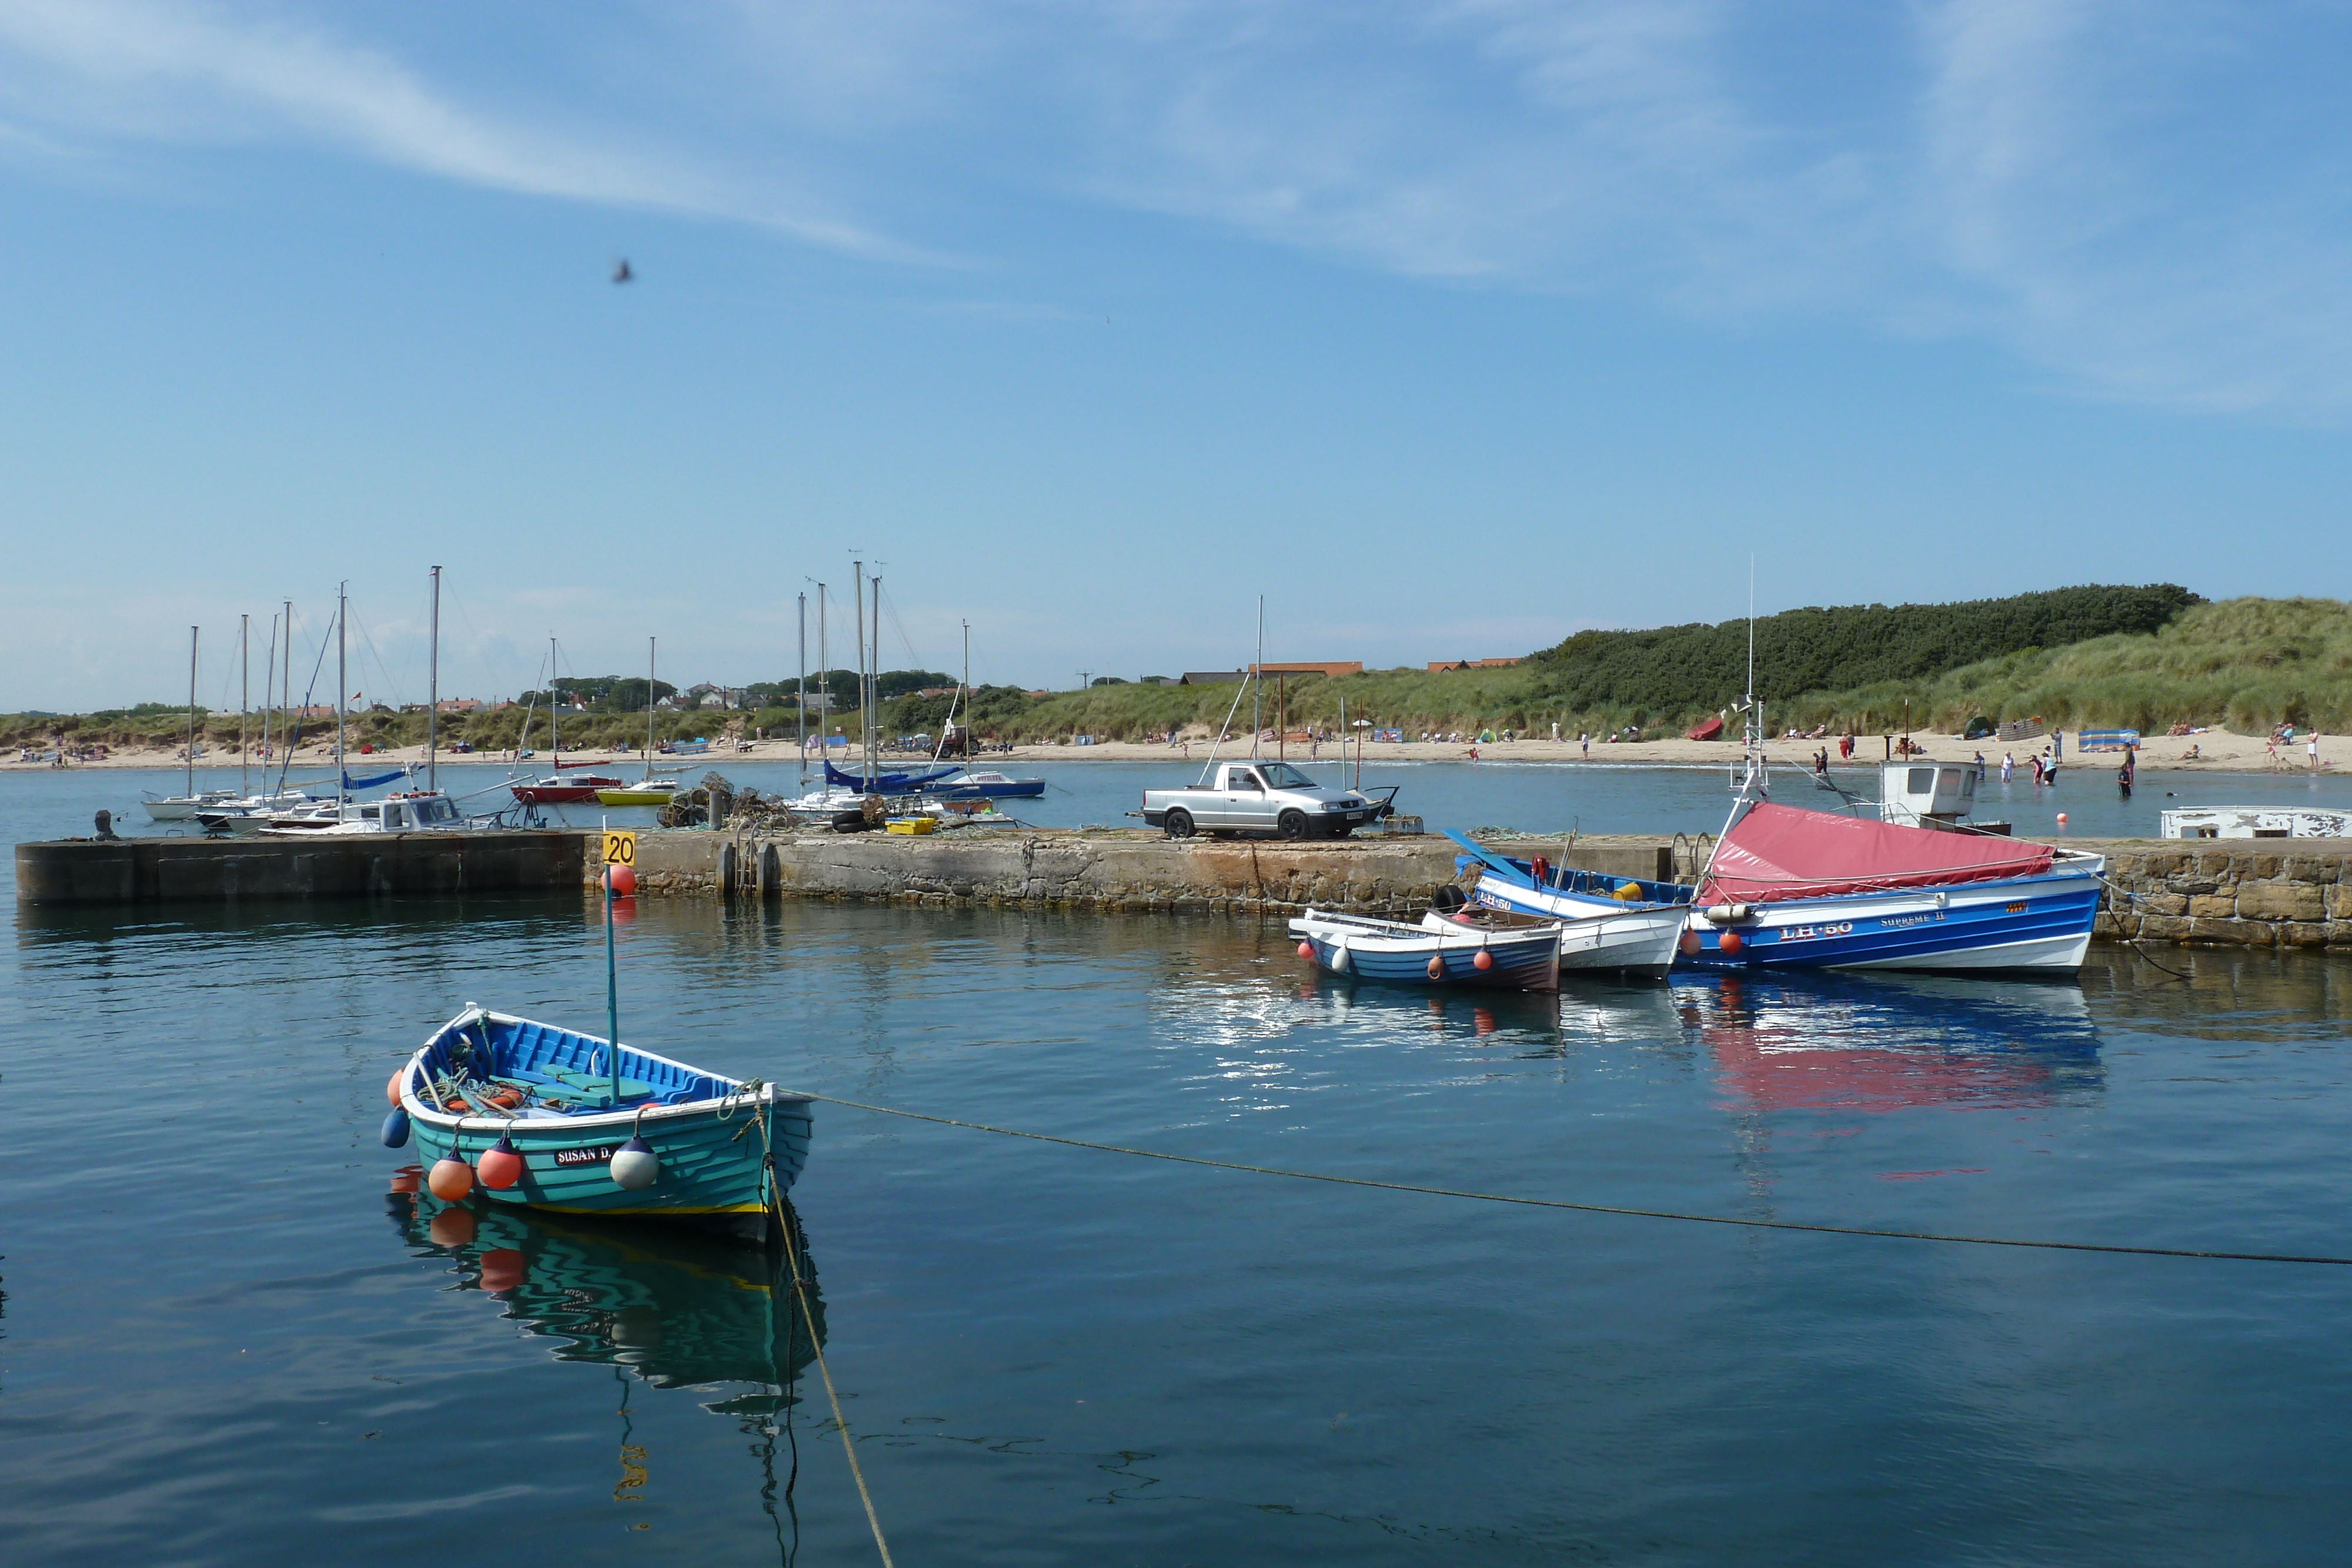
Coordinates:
(1855,1042)
(677,1309)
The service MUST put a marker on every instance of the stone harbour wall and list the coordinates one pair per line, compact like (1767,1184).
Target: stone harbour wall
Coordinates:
(2240,892)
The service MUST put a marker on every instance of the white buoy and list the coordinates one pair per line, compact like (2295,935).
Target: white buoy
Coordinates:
(1339,957)
(635,1167)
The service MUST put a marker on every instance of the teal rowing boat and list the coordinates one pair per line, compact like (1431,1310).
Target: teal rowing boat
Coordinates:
(546,1117)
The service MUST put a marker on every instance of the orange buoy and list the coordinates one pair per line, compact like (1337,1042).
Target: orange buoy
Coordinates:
(451,1228)
(1482,962)
(621,879)
(450,1178)
(1733,942)
(502,1269)
(501,1166)
(407,1178)
(391,1088)
(1307,950)
(1437,969)
(2061,818)
(1689,942)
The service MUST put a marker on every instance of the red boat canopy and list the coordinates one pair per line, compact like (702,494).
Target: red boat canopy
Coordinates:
(1710,729)
(1777,853)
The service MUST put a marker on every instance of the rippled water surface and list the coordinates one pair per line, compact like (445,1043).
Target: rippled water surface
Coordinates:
(219,1343)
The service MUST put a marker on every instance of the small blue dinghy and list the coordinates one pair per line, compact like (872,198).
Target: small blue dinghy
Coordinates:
(548,1118)
(1437,952)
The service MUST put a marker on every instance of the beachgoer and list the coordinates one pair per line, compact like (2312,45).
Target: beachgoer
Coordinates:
(2036,760)
(2274,748)
(1845,747)
(1584,739)
(2008,765)
(2124,774)
(1474,751)
(2312,750)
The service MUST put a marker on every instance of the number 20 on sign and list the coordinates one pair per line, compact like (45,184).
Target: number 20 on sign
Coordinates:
(620,849)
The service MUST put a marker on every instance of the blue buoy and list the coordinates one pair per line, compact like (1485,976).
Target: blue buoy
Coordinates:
(396,1130)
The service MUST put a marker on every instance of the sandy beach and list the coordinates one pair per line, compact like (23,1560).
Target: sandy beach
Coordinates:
(2215,751)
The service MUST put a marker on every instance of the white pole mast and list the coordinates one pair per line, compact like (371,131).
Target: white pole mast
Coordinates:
(244,702)
(803,701)
(433,694)
(858,593)
(343,693)
(1257,673)
(649,707)
(191,713)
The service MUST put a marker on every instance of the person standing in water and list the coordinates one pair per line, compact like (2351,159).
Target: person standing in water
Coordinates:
(2124,774)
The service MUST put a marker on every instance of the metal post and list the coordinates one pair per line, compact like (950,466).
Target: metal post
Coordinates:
(244,702)
(804,694)
(1257,682)
(612,994)
(433,695)
(191,713)
(342,693)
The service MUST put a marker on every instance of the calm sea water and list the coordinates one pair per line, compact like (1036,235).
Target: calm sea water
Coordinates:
(1593,798)
(222,1343)
(219,1343)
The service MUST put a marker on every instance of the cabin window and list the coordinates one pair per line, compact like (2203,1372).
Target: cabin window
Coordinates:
(1245,780)
(392,817)
(2271,832)
(371,813)
(1920,781)
(2205,833)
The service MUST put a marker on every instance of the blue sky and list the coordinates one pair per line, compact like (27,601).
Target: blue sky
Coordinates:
(1450,328)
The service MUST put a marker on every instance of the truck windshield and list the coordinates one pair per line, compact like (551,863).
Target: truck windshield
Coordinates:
(1283,776)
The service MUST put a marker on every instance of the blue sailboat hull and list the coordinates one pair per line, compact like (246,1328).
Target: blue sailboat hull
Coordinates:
(899,783)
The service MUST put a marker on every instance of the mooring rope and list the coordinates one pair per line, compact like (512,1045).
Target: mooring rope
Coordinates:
(816,1347)
(1579,1207)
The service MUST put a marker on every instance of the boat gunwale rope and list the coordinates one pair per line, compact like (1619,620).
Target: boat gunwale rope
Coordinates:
(1622,1210)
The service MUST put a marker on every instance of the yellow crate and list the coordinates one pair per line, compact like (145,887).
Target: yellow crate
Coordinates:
(912,825)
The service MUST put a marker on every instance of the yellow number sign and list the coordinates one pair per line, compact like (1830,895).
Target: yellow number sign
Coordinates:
(620,849)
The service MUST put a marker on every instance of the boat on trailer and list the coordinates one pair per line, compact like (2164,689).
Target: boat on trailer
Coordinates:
(1439,951)
(550,1118)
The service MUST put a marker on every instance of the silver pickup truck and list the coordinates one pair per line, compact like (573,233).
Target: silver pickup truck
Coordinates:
(1264,797)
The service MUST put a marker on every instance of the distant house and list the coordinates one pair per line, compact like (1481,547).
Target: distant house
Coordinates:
(1211,677)
(461,704)
(1440,666)
(1334,668)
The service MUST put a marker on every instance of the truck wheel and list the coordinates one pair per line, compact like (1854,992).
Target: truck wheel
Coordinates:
(1292,825)
(1179,824)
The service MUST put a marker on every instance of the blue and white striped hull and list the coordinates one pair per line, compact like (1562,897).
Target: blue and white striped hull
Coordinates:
(2038,922)
(1395,953)
(1597,934)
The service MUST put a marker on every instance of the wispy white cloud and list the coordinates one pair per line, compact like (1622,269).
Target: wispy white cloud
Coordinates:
(2145,203)
(124,69)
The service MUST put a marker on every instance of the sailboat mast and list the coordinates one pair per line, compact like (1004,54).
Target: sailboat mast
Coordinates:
(649,707)
(555,728)
(244,702)
(1258,676)
(433,694)
(286,699)
(268,695)
(191,713)
(800,703)
(343,689)
(874,690)
(858,595)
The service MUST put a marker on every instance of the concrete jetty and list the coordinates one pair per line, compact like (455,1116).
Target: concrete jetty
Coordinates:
(2239,893)
(94,871)
(2234,893)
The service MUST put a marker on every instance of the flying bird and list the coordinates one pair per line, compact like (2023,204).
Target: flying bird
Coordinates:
(621,273)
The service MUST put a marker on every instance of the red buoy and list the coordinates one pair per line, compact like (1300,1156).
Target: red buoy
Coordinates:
(391,1088)
(1306,951)
(1733,942)
(1437,969)
(1482,962)
(501,1166)
(502,1269)
(1689,942)
(621,879)
(450,1178)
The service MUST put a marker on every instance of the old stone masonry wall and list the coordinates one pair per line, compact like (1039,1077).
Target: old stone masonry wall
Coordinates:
(2240,892)
(2244,893)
